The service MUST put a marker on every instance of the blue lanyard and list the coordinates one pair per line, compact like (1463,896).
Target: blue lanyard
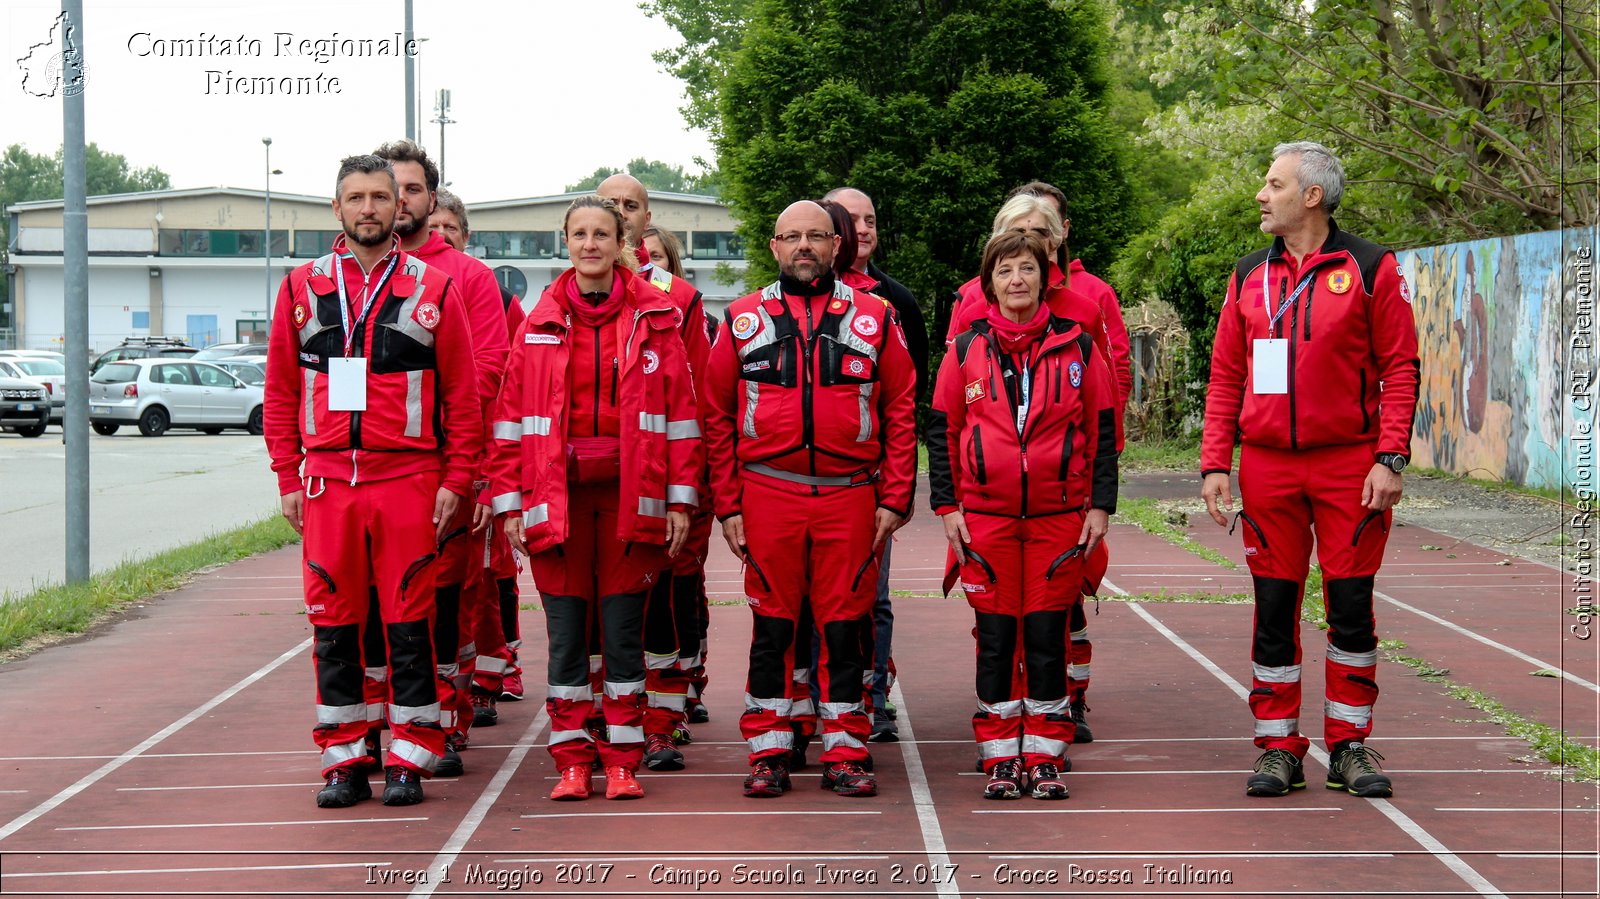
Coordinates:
(372,294)
(1266,296)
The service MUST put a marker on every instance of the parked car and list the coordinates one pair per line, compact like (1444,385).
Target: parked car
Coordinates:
(143,348)
(225,350)
(24,407)
(252,373)
(161,393)
(47,373)
(42,354)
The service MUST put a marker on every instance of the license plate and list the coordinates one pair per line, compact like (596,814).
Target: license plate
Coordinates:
(102,410)
(24,407)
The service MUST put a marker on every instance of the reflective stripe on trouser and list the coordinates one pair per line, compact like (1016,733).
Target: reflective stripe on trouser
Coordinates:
(378,534)
(666,687)
(1286,498)
(799,538)
(1022,586)
(1082,650)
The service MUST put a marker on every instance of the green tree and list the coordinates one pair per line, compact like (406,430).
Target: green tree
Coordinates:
(26,176)
(654,175)
(936,110)
(712,32)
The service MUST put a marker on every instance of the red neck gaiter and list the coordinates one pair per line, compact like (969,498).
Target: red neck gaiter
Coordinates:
(591,310)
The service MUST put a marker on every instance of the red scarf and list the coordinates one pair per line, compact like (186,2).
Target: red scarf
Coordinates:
(1018,338)
(592,312)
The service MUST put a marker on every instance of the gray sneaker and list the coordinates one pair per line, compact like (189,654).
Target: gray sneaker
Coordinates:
(1354,769)
(1277,772)
(884,730)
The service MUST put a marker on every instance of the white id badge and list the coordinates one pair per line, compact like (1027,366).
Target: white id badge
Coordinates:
(1272,366)
(347,384)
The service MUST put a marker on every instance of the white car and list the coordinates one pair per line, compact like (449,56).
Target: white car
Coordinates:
(44,371)
(166,392)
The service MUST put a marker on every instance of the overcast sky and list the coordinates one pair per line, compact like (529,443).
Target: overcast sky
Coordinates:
(542,92)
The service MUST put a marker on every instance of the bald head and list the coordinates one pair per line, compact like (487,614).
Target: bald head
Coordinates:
(803,241)
(629,195)
(864,216)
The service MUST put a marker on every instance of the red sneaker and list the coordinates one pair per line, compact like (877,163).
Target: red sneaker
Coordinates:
(621,784)
(574,785)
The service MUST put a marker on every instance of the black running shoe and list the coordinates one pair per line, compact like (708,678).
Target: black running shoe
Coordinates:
(849,779)
(402,785)
(1005,780)
(1080,720)
(346,786)
(767,779)
(660,754)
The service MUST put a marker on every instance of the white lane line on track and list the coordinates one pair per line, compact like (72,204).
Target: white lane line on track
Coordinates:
(1388,809)
(199,825)
(1052,810)
(595,816)
(1587,811)
(922,798)
(113,872)
(480,809)
(93,777)
(1517,654)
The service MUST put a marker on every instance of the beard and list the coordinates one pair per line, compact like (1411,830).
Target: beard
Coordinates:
(806,268)
(382,236)
(409,227)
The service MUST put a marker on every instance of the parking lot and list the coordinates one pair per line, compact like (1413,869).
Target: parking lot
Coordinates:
(146,495)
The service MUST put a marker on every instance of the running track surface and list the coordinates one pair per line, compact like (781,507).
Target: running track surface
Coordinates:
(170,755)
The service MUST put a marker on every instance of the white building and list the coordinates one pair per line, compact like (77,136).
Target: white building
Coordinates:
(191,263)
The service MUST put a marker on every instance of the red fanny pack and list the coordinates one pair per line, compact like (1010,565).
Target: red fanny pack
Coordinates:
(594,460)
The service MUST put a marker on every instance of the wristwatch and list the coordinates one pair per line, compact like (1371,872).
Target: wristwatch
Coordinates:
(1392,461)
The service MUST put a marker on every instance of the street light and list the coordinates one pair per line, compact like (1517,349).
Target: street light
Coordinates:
(266,231)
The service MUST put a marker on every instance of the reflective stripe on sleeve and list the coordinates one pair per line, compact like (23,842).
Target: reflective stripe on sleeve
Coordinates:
(506,502)
(680,493)
(682,429)
(537,515)
(652,423)
(509,431)
(652,507)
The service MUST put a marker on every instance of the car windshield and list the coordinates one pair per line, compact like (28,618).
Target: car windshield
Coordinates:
(40,366)
(249,374)
(220,351)
(117,373)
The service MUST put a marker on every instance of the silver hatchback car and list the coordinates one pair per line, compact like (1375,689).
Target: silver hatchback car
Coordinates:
(165,392)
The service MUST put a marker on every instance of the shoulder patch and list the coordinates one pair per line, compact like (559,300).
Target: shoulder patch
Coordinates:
(746,325)
(974,391)
(1405,289)
(1075,373)
(865,325)
(300,314)
(652,361)
(427,315)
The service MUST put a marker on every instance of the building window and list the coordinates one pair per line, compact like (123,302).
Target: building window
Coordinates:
(311,244)
(219,242)
(516,244)
(250,330)
(716,245)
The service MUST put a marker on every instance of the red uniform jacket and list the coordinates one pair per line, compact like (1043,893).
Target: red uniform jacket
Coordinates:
(1350,333)
(660,434)
(419,375)
(480,296)
(1064,459)
(689,302)
(834,397)
(1084,282)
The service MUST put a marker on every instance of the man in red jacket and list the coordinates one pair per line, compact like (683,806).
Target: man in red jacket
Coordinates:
(811,437)
(461,604)
(369,356)
(672,644)
(1315,371)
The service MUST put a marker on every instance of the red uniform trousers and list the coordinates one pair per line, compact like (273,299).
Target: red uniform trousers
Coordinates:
(672,629)
(377,534)
(1022,577)
(1282,493)
(495,630)
(700,528)
(815,541)
(1082,649)
(459,599)
(595,574)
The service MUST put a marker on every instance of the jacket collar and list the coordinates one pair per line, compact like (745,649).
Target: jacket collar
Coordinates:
(637,295)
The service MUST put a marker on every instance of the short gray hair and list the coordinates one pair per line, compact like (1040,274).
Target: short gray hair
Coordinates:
(1020,206)
(365,164)
(1317,166)
(449,202)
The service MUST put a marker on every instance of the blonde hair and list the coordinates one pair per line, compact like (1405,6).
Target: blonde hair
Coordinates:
(625,256)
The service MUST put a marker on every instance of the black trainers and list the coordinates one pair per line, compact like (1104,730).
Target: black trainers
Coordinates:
(449,763)
(1044,782)
(346,786)
(767,779)
(1080,720)
(1277,772)
(1354,769)
(1005,780)
(849,779)
(884,730)
(402,785)
(484,714)
(660,754)
(797,755)
(698,714)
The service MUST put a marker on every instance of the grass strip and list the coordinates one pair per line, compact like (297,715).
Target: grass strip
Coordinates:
(1175,454)
(1582,763)
(58,609)
(1163,596)
(1148,516)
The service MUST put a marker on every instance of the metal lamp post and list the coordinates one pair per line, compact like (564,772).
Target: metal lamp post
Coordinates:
(266,230)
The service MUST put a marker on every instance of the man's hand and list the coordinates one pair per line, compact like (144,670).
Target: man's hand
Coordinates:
(482,515)
(293,506)
(733,532)
(677,532)
(955,531)
(1095,524)
(513,529)
(887,523)
(1382,488)
(445,503)
(1216,488)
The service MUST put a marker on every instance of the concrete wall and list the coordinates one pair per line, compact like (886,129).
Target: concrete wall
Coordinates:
(1496,398)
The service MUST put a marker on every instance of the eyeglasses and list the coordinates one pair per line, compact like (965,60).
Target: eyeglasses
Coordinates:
(793,237)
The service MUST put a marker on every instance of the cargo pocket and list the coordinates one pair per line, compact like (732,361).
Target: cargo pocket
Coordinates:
(1255,540)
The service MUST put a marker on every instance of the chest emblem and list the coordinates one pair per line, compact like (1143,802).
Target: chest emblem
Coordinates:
(865,326)
(1339,281)
(975,391)
(651,361)
(428,315)
(1075,373)
(746,325)
(299,315)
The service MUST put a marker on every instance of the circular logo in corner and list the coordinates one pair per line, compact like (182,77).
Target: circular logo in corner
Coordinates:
(865,325)
(428,315)
(1075,373)
(651,361)
(746,325)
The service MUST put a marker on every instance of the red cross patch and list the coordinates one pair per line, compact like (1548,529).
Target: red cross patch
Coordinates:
(427,315)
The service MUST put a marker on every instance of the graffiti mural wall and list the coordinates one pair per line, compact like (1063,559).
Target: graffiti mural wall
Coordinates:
(1493,336)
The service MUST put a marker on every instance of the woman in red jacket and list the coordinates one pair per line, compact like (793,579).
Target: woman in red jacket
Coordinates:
(1023,469)
(594,462)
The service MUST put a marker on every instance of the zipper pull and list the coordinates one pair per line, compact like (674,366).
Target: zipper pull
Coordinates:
(1024,461)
